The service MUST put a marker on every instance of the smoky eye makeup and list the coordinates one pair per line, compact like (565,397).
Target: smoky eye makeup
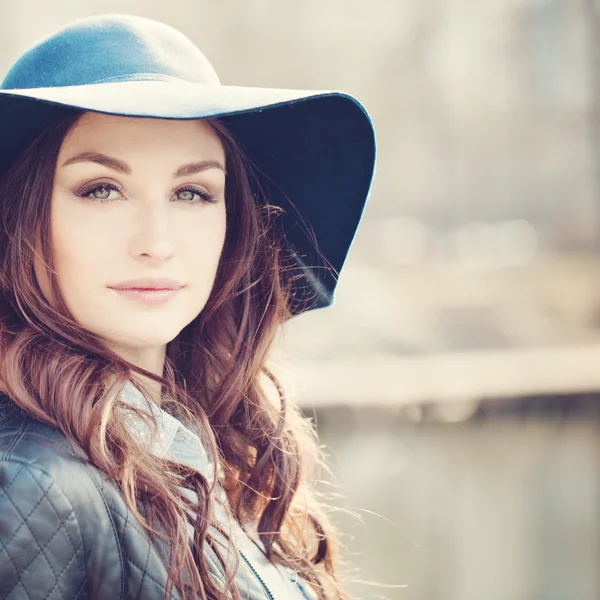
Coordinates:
(104,191)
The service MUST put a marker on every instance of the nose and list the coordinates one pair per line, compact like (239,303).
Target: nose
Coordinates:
(152,237)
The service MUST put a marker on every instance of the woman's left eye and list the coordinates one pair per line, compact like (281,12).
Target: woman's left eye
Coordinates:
(193,195)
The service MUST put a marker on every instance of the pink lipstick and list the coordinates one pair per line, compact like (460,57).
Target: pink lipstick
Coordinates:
(148,291)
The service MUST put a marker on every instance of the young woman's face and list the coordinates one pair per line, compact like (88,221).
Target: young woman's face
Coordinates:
(134,199)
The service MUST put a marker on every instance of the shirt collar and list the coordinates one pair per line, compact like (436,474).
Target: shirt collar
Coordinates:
(174,440)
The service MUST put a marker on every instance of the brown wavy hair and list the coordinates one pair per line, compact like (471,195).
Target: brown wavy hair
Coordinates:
(215,378)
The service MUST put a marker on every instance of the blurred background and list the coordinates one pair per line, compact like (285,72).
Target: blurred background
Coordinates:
(454,382)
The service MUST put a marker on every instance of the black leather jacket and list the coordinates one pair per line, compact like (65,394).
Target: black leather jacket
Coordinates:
(65,529)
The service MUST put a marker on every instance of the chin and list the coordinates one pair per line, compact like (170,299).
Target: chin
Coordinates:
(147,337)
(144,340)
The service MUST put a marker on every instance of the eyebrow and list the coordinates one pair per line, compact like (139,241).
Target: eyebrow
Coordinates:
(122,167)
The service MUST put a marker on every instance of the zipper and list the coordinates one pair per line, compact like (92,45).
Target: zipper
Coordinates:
(256,574)
(251,566)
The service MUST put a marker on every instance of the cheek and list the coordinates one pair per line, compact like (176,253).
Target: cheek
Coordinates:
(69,251)
(79,255)
(202,251)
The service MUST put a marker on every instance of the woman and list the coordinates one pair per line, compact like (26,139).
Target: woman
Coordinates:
(157,230)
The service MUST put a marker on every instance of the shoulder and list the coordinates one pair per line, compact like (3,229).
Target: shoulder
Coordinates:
(57,535)
(65,529)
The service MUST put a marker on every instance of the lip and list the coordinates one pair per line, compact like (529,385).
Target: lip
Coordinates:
(148,296)
(150,291)
(148,284)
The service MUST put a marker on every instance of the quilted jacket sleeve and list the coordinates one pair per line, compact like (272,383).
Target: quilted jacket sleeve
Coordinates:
(41,545)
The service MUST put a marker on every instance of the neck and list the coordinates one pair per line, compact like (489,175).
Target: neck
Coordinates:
(151,359)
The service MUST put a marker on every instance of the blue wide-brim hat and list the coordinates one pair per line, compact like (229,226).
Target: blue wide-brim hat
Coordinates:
(315,150)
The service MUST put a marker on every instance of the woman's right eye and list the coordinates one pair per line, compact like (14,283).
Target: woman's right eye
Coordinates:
(100,192)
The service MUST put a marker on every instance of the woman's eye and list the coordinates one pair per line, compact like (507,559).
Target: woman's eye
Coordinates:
(193,195)
(102,192)
(107,192)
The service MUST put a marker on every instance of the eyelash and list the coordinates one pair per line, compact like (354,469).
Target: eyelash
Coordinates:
(206,198)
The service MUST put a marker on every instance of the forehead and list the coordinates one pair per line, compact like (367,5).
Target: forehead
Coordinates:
(138,135)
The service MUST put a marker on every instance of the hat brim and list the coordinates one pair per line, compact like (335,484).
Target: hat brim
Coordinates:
(316,148)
